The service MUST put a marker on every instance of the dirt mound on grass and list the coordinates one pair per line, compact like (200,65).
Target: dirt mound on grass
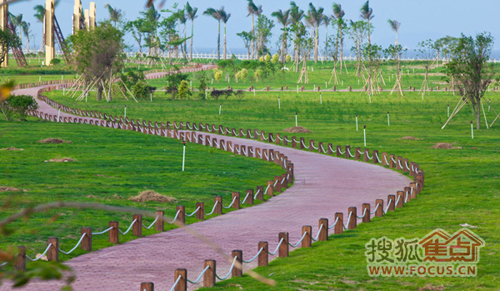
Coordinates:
(444,145)
(11,149)
(410,138)
(54,140)
(8,189)
(297,129)
(61,160)
(151,195)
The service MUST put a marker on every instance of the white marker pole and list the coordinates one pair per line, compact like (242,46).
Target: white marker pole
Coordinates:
(489,105)
(448,110)
(297,89)
(356,122)
(125,111)
(64,93)
(253,91)
(279,103)
(320,99)
(62,77)
(472,129)
(151,97)
(220,109)
(296,121)
(388,120)
(370,97)
(58,115)
(422,96)
(326,85)
(364,133)
(183,154)
(39,78)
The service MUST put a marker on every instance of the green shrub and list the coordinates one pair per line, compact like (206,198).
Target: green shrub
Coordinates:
(17,105)
(55,61)
(184,90)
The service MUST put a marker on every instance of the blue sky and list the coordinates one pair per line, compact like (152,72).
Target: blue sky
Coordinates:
(421,19)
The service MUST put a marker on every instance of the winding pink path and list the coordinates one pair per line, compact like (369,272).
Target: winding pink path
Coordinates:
(323,185)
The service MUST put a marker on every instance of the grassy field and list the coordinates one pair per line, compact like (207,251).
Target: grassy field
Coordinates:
(461,183)
(111,166)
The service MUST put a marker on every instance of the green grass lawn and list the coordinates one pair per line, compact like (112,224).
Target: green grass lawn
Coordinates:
(112,165)
(461,184)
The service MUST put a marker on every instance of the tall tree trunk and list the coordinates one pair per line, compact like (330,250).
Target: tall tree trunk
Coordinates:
(218,44)
(99,92)
(283,36)
(316,39)
(225,42)
(297,54)
(341,49)
(185,43)
(253,38)
(478,115)
(368,22)
(191,46)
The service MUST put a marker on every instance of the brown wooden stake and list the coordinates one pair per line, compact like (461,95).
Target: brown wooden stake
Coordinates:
(366,210)
(270,191)
(339,220)
(384,159)
(380,209)
(236,204)
(250,196)
(260,194)
(311,145)
(400,198)
(147,286)
(218,207)
(320,147)
(181,218)
(353,221)
(375,157)
(294,142)
(209,276)
(263,259)
(413,191)
(302,143)
(366,153)
(399,163)
(323,225)
(407,196)
(113,234)
(137,227)
(237,271)
(406,165)
(338,151)
(277,184)
(200,214)
(86,243)
(182,284)
(391,202)
(347,149)
(391,159)
(265,156)
(53,252)
(307,241)
(284,247)
(20,263)
(357,155)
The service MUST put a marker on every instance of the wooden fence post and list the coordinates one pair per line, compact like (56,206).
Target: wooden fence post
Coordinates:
(263,259)
(407,192)
(365,210)
(20,263)
(351,215)
(147,286)
(391,161)
(380,209)
(114,233)
(182,284)
(160,222)
(399,165)
(236,204)
(237,270)
(400,198)
(357,155)
(277,184)
(323,225)
(260,193)
(384,159)
(209,276)
(413,190)
(376,157)
(284,247)
(270,191)
(86,243)
(347,151)
(307,241)
(391,202)
(53,252)
(250,196)
(339,220)
(137,227)
(181,218)
(366,153)
(218,207)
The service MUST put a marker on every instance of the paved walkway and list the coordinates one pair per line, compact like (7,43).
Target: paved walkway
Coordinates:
(324,185)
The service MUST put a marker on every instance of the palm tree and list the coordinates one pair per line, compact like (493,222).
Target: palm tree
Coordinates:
(338,13)
(326,22)
(395,26)
(254,11)
(191,15)
(296,16)
(367,14)
(114,14)
(40,15)
(25,26)
(217,16)
(224,17)
(17,21)
(315,18)
(283,19)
